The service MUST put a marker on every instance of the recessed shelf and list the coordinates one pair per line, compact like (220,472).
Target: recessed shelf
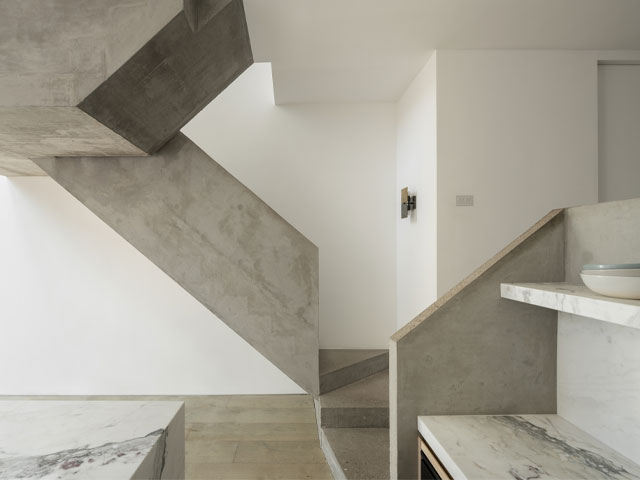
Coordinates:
(575,299)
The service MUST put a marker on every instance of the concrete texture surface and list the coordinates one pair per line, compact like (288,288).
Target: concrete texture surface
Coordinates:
(95,78)
(37,132)
(199,12)
(364,403)
(168,81)
(342,367)
(56,52)
(357,453)
(52,55)
(216,239)
(604,233)
(473,352)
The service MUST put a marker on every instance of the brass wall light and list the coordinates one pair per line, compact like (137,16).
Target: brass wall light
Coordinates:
(408,202)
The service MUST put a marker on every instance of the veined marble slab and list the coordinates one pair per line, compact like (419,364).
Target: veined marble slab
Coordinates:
(519,447)
(575,299)
(91,440)
(599,381)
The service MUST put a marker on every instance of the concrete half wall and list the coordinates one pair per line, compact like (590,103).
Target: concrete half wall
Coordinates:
(214,237)
(473,352)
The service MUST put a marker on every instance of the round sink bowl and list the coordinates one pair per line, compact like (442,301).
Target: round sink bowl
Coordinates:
(613,286)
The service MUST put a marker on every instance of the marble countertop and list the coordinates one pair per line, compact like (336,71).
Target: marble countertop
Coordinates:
(575,299)
(80,439)
(521,447)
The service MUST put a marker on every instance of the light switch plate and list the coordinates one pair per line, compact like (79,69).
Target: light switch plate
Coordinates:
(464,200)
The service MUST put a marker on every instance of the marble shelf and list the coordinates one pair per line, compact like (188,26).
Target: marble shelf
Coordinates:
(501,447)
(113,440)
(575,299)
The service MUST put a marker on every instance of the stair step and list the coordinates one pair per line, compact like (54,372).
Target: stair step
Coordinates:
(363,404)
(343,367)
(357,453)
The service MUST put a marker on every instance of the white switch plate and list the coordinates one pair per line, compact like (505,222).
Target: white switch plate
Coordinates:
(464,200)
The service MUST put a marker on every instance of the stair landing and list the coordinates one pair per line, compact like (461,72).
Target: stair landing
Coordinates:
(357,453)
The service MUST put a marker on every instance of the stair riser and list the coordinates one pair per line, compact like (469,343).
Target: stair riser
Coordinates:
(355,417)
(345,376)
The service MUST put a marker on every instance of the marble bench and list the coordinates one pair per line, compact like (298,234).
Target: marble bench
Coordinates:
(517,447)
(91,440)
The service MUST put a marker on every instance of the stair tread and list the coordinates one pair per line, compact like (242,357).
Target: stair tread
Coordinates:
(370,392)
(363,453)
(333,360)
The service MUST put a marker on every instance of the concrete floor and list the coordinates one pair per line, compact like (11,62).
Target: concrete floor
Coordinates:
(244,437)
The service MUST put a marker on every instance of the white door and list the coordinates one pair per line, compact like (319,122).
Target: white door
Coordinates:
(619,132)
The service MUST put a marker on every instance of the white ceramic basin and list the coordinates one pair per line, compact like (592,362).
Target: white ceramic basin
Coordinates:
(613,286)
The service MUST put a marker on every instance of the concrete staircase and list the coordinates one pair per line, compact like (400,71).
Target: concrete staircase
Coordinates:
(353,412)
(94,94)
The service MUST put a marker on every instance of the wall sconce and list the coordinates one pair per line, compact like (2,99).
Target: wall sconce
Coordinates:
(408,202)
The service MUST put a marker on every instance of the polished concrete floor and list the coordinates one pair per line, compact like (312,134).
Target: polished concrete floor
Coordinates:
(245,437)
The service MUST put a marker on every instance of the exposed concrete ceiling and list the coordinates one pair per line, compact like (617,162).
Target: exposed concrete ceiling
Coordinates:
(369,50)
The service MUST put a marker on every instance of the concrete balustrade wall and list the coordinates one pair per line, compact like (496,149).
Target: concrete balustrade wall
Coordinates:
(472,352)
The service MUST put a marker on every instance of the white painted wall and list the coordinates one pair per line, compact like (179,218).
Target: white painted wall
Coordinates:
(416,157)
(599,380)
(329,170)
(619,132)
(518,130)
(83,312)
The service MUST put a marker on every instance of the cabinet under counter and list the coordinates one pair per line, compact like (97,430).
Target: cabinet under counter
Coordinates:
(516,447)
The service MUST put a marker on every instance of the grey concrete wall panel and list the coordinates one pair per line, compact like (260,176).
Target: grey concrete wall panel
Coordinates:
(473,352)
(216,239)
(175,75)
(199,12)
(604,233)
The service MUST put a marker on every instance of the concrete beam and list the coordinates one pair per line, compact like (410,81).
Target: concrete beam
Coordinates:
(473,352)
(36,132)
(176,74)
(216,239)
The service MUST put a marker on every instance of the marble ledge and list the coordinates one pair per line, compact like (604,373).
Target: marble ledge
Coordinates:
(91,440)
(575,299)
(516,447)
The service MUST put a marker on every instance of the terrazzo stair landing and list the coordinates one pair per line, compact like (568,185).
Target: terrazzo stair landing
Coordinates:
(354,417)
(356,453)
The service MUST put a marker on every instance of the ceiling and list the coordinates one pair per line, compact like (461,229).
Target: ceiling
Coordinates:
(369,50)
